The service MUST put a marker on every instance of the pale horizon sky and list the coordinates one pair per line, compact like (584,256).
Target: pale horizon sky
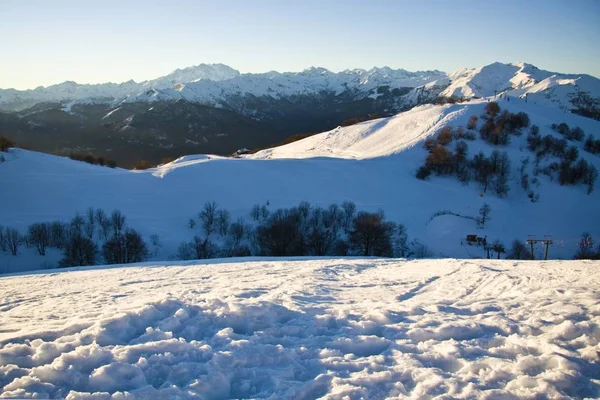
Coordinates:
(49,42)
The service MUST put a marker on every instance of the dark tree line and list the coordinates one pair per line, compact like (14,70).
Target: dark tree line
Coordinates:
(592,145)
(570,134)
(570,169)
(6,143)
(489,172)
(304,230)
(94,160)
(84,240)
(587,249)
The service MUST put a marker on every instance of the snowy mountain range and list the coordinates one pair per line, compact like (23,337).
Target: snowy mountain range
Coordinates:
(15,100)
(215,109)
(214,84)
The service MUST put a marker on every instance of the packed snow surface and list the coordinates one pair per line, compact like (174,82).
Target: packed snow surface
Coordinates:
(304,329)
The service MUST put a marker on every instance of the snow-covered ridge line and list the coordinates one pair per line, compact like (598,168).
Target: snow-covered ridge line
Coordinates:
(218,84)
(311,79)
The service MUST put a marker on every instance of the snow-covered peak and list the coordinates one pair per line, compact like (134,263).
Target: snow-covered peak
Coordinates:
(497,78)
(315,71)
(213,72)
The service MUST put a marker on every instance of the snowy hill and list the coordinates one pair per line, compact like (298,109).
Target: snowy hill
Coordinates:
(290,329)
(372,163)
(518,80)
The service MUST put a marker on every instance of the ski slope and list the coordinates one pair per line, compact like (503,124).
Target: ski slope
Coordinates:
(304,329)
(372,163)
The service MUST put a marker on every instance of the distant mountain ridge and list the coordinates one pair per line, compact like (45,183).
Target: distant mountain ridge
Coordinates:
(213,108)
(213,84)
(16,100)
(209,83)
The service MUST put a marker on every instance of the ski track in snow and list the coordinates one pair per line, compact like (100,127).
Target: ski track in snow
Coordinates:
(304,329)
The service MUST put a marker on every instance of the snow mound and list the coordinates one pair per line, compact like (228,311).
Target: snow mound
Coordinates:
(337,328)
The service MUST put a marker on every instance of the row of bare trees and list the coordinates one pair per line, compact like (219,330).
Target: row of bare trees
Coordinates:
(84,240)
(297,231)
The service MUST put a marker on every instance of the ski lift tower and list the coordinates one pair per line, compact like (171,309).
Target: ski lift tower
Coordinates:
(531,241)
(547,240)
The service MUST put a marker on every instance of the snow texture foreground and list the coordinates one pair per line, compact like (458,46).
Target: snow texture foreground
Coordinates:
(304,329)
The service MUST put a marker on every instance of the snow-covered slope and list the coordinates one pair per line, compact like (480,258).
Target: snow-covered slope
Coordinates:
(376,138)
(372,164)
(519,80)
(407,131)
(328,329)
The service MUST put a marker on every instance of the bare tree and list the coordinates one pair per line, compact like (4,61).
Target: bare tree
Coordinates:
(304,209)
(79,251)
(117,220)
(255,212)
(13,240)
(500,164)
(585,248)
(498,247)
(482,170)
(264,212)
(3,246)
(184,252)
(333,218)
(223,218)
(76,225)
(202,248)
(238,230)
(104,224)
(349,209)
(371,235)
(401,242)
(420,250)
(208,216)
(90,223)
(518,251)
(39,236)
(156,244)
(320,240)
(484,214)
(127,247)
(59,234)
(281,234)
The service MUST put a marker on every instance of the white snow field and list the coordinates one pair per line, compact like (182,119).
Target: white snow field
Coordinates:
(304,329)
(372,163)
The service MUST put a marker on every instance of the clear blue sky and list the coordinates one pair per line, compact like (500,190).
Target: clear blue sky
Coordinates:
(45,42)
